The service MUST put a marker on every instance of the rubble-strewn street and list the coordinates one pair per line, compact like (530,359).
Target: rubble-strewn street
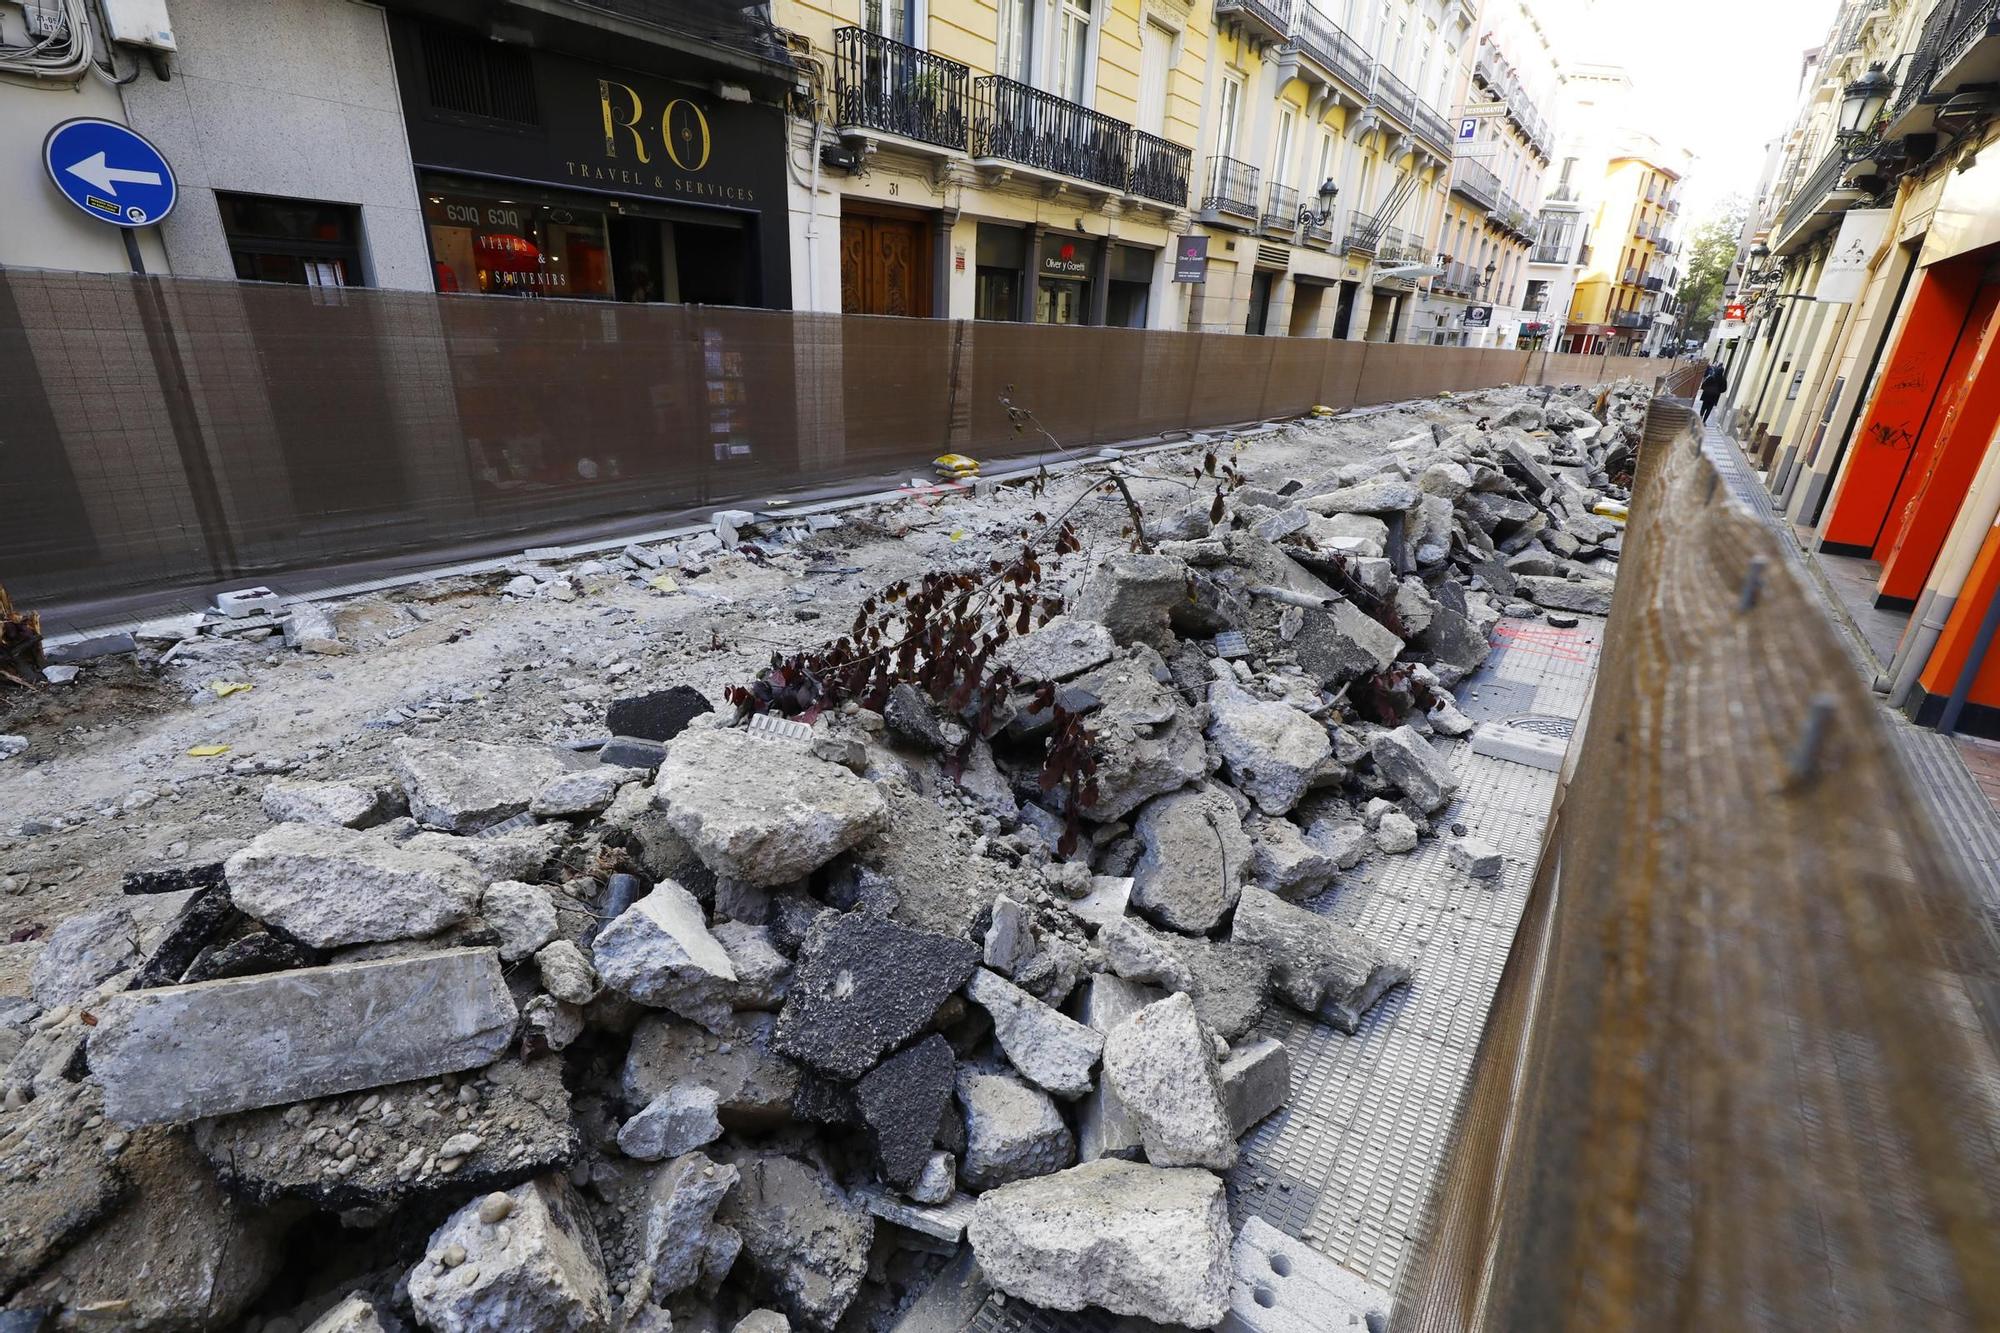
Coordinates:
(592,947)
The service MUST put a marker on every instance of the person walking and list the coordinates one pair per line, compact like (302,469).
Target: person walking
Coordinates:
(1713,385)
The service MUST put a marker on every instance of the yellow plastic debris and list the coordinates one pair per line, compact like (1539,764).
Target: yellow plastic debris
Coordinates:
(206,751)
(1321,410)
(955,466)
(224,688)
(662,583)
(958,534)
(1615,510)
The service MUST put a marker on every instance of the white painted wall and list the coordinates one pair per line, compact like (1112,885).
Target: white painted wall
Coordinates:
(295,98)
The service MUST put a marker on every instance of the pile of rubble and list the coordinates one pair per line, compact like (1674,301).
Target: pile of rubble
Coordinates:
(740,1023)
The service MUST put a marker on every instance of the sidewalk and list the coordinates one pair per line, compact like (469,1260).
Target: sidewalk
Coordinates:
(1956,778)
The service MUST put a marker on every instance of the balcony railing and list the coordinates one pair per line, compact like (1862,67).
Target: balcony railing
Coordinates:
(1281,208)
(1160,170)
(885,85)
(1365,233)
(1272,18)
(1509,214)
(1320,233)
(1631,275)
(1654,284)
(1476,182)
(1016,123)
(1434,130)
(1322,41)
(1391,94)
(1814,190)
(1950,31)
(1232,188)
(1629,319)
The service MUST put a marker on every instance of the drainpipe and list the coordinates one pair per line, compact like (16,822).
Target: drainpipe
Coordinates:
(1961,550)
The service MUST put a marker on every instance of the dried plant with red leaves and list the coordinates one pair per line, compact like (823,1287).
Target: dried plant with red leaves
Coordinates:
(20,644)
(940,635)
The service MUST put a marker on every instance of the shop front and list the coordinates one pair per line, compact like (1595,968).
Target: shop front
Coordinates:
(611,219)
(544,175)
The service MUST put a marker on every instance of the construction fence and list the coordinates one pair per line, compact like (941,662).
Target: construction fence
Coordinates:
(1743,1067)
(160,431)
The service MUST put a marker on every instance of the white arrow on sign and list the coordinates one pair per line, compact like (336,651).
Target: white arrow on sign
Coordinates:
(104,176)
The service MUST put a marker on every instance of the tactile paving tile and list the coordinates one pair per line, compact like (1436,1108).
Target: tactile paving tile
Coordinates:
(1348,1166)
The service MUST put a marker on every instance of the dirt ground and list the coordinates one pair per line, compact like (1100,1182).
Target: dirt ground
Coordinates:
(106,784)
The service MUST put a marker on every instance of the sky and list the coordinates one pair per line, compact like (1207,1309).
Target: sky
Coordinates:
(1719,77)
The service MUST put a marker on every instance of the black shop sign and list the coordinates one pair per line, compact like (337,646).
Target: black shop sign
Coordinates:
(606,130)
(1067,257)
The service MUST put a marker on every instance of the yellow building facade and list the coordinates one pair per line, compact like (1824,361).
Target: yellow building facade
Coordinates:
(1627,283)
(1050,160)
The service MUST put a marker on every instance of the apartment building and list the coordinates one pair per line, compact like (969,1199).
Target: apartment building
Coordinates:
(1864,385)
(1625,293)
(1504,147)
(1080,161)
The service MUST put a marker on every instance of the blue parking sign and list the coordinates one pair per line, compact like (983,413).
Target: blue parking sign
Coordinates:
(109,172)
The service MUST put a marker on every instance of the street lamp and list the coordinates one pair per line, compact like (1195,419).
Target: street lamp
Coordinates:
(1861,104)
(1310,217)
(1486,287)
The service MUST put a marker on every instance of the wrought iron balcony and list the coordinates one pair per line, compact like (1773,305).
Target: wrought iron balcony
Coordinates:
(1629,319)
(1476,182)
(1631,275)
(1232,188)
(1654,284)
(1270,19)
(1434,130)
(1323,42)
(1391,94)
(1016,123)
(1949,34)
(1320,233)
(885,85)
(1281,208)
(1160,170)
(1365,233)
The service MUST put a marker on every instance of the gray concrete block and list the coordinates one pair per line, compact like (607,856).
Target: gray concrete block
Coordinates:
(1283,1285)
(1497,740)
(178,1053)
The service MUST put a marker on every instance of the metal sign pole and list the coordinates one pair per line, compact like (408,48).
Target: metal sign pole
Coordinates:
(131,235)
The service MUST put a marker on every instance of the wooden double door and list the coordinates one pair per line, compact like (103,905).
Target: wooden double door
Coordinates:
(885,264)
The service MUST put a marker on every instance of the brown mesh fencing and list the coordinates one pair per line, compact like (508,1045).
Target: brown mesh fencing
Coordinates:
(158,431)
(1741,1070)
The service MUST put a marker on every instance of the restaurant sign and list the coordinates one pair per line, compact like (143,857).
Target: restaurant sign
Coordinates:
(1065,257)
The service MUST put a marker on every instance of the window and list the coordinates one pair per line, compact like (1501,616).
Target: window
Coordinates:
(1072,57)
(1281,161)
(1156,62)
(1228,106)
(299,241)
(1016,30)
(895,19)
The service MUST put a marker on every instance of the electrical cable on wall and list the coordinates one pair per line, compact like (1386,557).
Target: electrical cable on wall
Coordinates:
(64,55)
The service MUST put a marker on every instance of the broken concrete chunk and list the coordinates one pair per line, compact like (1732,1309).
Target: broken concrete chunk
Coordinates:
(659,952)
(1055,1053)
(754,1087)
(1107,900)
(586,791)
(465,786)
(1396,833)
(1342,643)
(1378,495)
(677,1121)
(523,914)
(801,1233)
(763,975)
(1416,768)
(1195,859)
(863,986)
(1589,596)
(1131,1239)
(59,1181)
(1012,1130)
(1271,751)
(360,802)
(82,953)
(944,1220)
(536,1266)
(685,1246)
(1287,863)
(181,1254)
(1317,966)
(1284,1285)
(1132,595)
(1476,858)
(1103,1129)
(334,886)
(356,1312)
(566,973)
(1010,939)
(1162,1066)
(1256,1081)
(760,811)
(179,1053)
(1064,647)
(900,1102)
(388,1145)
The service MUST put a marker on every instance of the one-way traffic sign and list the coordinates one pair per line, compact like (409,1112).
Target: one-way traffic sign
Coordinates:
(109,172)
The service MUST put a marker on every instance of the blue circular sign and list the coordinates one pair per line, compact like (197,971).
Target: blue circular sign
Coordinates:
(109,172)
